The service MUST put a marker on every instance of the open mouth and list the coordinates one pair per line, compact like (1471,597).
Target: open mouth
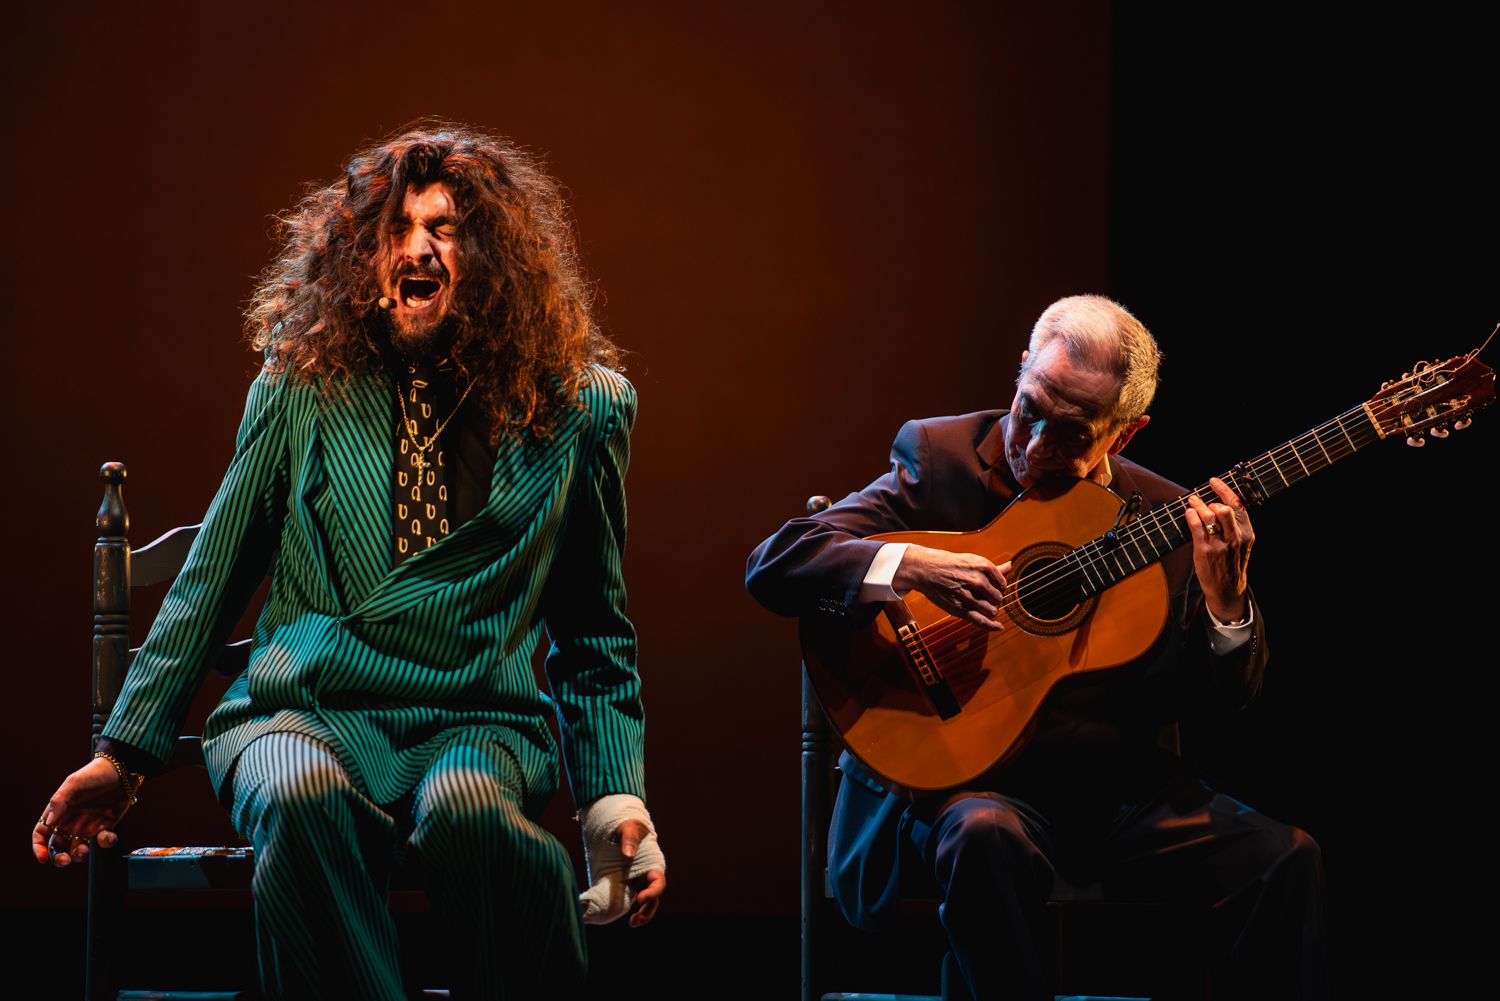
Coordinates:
(417,293)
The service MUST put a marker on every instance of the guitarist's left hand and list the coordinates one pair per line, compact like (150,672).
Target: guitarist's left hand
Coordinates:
(1222,538)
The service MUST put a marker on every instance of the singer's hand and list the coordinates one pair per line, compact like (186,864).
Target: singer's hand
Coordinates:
(88,805)
(627,871)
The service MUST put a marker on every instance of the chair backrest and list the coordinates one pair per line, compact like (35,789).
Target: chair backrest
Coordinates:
(818,747)
(111,648)
(817,799)
(119,570)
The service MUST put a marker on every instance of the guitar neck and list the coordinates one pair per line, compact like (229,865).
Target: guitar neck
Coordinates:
(1117,554)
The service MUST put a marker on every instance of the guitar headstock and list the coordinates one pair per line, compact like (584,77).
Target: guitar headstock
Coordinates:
(1432,398)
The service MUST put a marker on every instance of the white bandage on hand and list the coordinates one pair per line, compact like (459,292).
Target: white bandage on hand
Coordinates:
(609,895)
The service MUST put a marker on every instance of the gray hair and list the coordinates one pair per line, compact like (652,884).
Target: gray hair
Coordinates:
(1101,334)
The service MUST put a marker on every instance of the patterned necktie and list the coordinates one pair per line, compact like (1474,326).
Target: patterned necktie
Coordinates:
(422,508)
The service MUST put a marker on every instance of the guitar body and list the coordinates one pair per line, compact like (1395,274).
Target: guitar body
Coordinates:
(869,682)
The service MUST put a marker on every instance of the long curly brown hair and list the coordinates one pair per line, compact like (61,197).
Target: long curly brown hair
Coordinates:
(522,324)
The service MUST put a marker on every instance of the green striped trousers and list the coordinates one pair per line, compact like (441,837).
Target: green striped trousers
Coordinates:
(501,888)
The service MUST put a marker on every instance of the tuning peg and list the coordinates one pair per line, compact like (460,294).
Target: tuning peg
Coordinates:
(1416,441)
(1438,431)
(1460,425)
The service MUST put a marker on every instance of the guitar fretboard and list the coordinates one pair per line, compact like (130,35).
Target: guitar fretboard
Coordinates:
(1112,557)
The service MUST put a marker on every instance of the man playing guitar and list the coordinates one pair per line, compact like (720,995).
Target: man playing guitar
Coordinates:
(1098,791)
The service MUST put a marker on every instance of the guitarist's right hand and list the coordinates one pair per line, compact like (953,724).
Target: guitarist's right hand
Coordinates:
(961,584)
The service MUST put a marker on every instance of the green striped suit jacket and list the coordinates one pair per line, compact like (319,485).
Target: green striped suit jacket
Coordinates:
(377,661)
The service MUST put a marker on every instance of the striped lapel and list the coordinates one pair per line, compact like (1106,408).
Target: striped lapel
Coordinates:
(358,437)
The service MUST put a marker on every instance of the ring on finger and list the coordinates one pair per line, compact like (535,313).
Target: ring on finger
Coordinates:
(1211,528)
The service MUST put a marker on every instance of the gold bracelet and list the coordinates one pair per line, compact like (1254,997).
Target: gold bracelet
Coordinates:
(130,781)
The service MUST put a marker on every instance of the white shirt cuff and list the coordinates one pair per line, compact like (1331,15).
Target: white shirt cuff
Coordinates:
(1224,639)
(877,583)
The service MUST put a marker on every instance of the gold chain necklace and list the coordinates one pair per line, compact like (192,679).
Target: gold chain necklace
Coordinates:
(411,427)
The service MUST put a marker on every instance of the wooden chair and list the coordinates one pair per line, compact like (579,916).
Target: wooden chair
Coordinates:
(117,571)
(196,869)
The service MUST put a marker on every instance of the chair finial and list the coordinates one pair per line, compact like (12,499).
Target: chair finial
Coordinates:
(113,519)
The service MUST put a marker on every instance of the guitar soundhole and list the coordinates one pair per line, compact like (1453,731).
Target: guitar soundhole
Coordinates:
(1049,599)
(1047,590)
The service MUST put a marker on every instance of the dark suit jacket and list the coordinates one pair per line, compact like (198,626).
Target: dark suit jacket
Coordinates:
(949,474)
(382,661)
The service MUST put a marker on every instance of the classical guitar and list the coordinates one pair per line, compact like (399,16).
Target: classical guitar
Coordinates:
(930,701)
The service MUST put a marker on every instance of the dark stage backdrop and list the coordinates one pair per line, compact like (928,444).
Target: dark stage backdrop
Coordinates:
(808,223)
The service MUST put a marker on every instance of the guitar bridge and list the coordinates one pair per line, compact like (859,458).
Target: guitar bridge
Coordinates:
(928,676)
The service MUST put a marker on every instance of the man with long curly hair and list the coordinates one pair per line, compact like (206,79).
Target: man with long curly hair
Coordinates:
(430,467)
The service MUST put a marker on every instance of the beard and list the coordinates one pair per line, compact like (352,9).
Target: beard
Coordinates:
(422,336)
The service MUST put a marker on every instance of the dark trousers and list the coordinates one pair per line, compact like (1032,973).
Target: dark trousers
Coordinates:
(1153,831)
(501,888)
